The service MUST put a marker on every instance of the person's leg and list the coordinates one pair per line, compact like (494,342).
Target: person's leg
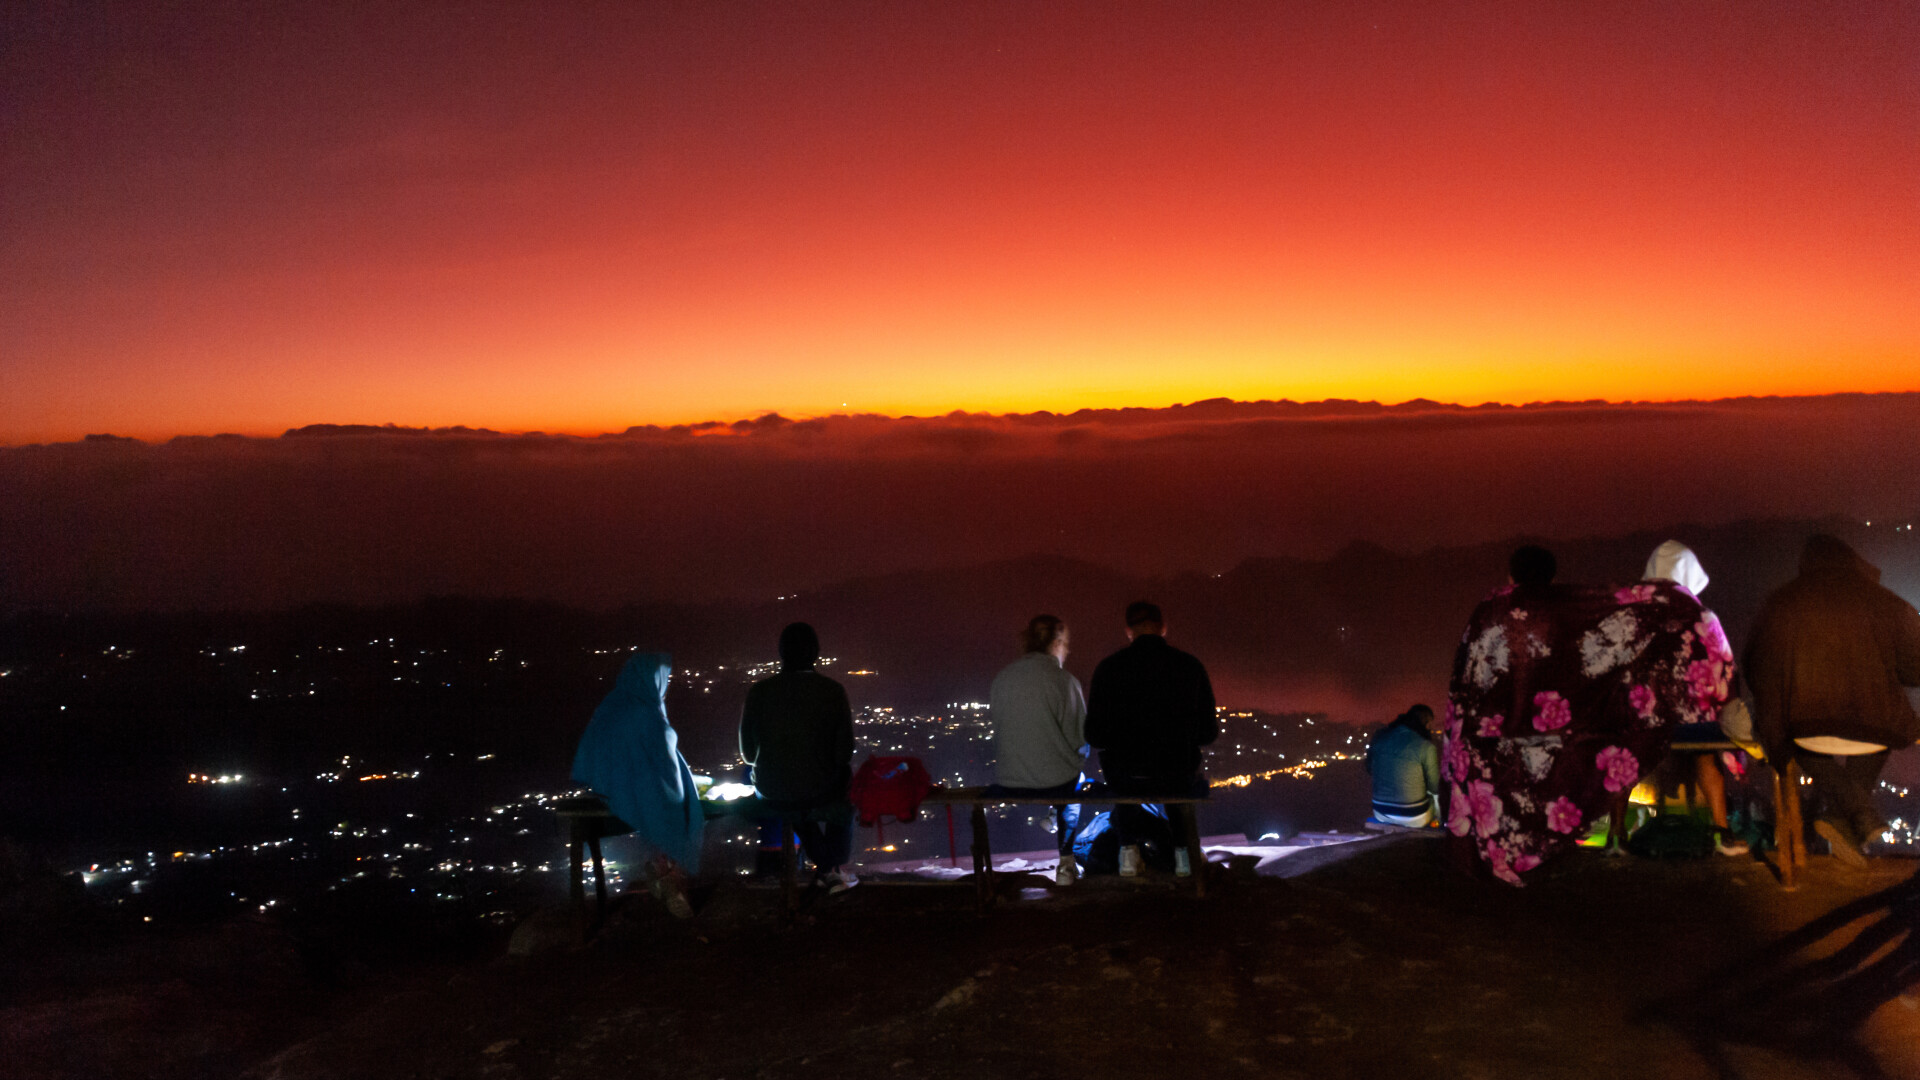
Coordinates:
(1706,773)
(1863,779)
(1847,817)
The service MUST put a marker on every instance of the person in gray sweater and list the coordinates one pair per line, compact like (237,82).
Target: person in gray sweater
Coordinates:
(1039,727)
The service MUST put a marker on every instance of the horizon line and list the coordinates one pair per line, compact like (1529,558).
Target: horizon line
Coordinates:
(773,419)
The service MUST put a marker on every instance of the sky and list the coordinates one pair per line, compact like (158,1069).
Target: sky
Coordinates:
(247,218)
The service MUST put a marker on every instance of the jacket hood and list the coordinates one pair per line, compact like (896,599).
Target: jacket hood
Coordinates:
(1674,561)
(799,647)
(644,678)
(1826,554)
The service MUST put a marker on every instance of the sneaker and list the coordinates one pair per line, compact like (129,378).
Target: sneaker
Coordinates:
(839,881)
(1843,846)
(1725,846)
(678,905)
(1182,863)
(1130,861)
(1067,872)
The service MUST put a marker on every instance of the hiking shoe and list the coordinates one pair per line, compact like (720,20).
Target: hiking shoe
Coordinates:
(1842,845)
(677,904)
(1130,861)
(1725,846)
(839,881)
(1067,872)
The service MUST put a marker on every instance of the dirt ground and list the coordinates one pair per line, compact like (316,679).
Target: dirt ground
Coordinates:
(1379,963)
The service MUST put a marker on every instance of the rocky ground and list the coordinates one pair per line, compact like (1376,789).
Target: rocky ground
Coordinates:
(1378,963)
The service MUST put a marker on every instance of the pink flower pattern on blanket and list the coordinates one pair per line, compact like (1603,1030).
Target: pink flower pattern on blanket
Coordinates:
(1621,768)
(1521,796)
(1483,808)
(1642,699)
(1563,816)
(1455,760)
(1706,680)
(1554,712)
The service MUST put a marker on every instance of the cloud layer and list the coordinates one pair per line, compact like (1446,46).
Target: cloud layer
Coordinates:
(768,507)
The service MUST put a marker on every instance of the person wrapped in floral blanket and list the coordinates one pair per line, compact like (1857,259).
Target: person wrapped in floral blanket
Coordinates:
(1562,696)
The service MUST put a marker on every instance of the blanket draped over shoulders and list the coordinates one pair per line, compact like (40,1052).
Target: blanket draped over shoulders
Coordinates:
(630,756)
(1562,697)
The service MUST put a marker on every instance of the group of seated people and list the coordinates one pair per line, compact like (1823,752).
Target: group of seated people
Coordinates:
(1149,710)
(1563,697)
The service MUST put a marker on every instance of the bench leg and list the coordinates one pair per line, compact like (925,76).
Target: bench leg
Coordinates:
(577,887)
(789,870)
(982,859)
(1196,859)
(1789,837)
(599,882)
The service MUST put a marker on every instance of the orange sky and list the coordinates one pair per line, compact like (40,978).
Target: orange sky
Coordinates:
(522,219)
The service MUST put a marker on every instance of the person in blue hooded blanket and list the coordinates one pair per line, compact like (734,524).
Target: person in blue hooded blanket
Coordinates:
(630,756)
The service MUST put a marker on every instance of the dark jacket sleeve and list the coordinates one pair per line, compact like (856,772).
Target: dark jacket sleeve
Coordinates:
(1206,720)
(1906,645)
(1764,668)
(1100,708)
(842,726)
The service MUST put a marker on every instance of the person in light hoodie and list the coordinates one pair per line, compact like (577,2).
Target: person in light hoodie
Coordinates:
(1674,561)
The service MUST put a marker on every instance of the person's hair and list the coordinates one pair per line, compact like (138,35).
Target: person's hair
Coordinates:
(1144,613)
(1419,713)
(1532,565)
(1041,632)
(799,646)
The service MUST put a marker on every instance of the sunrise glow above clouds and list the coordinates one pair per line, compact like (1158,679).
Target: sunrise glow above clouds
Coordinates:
(539,218)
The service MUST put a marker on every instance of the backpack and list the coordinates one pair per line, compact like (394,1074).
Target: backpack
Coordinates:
(889,787)
(1672,836)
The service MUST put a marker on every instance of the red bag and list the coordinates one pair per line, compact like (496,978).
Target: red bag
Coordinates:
(889,787)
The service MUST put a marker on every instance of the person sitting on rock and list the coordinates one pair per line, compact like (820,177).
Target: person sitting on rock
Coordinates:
(1404,761)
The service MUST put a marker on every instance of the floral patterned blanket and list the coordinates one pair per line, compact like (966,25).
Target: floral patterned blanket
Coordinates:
(1562,697)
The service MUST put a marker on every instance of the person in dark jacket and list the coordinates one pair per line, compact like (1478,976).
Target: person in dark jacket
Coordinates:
(1404,761)
(1829,661)
(796,733)
(1149,711)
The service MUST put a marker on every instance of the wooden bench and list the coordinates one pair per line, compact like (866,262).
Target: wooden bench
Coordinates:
(587,821)
(977,799)
(1789,837)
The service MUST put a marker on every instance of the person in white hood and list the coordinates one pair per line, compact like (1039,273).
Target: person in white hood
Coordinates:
(1674,561)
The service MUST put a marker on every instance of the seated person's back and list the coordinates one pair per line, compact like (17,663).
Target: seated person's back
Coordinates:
(797,728)
(1405,765)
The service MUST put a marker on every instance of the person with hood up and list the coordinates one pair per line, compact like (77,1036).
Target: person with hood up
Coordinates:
(1404,761)
(796,734)
(1674,561)
(630,757)
(1831,656)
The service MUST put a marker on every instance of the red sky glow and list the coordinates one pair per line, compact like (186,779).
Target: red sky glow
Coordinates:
(574,219)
